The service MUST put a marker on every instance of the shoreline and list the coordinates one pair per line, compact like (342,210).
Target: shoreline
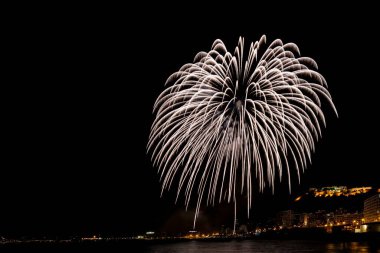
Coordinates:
(326,237)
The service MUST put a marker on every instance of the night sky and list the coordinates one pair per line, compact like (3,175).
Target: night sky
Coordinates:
(75,156)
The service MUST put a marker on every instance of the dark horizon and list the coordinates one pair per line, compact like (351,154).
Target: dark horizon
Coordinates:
(76,160)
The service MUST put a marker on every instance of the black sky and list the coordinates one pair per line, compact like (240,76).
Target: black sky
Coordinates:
(76,157)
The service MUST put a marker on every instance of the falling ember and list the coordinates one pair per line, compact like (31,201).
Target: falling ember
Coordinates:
(228,120)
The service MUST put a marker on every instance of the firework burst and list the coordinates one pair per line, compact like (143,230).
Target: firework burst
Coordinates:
(228,120)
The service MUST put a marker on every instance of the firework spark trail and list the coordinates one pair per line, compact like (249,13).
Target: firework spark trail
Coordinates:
(226,118)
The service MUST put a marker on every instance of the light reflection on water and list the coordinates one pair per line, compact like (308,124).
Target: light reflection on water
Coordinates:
(264,246)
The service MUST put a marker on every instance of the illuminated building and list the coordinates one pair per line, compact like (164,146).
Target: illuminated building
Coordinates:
(304,219)
(349,219)
(372,209)
(331,191)
(285,218)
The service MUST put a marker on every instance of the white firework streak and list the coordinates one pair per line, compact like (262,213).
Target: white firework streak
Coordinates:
(226,120)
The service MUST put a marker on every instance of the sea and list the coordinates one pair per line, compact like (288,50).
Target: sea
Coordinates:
(252,246)
(262,246)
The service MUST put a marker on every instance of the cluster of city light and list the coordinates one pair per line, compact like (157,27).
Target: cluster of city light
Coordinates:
(343,223)
(336,191)
(349,226)
(92,238)
(341,192)
(196,235)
